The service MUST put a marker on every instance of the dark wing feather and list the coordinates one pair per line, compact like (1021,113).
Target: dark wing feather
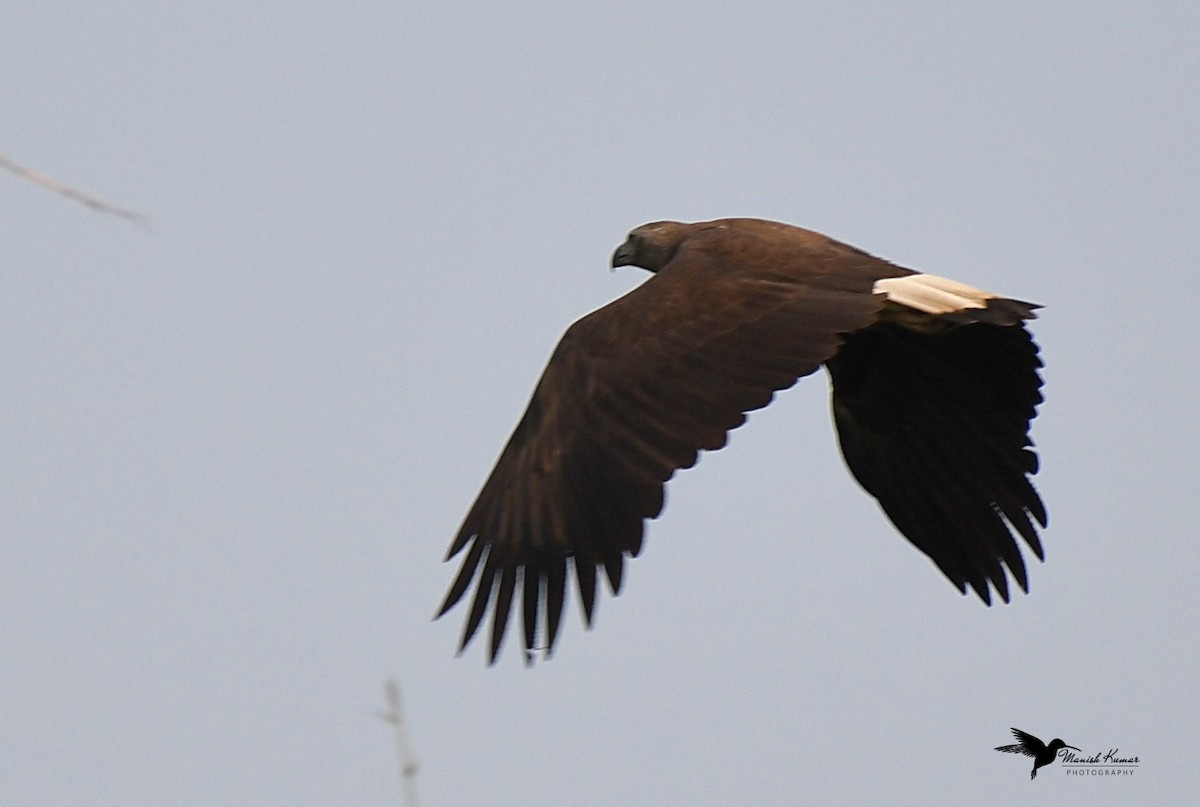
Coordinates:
(631,394)
(1016,749)
(934,424)
(1028,745)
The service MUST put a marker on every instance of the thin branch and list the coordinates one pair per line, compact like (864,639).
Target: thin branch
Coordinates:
(408,766)
(72,193)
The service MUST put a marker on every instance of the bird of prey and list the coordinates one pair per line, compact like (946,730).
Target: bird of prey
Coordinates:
(935,384)
(1031,746)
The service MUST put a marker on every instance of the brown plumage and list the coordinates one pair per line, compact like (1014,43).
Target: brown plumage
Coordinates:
(934,387)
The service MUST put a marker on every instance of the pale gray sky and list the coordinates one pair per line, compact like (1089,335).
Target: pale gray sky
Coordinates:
(237,444)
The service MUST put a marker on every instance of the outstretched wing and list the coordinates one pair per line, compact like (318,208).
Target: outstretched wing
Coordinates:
(933,417)
(631,394)
(1029,745)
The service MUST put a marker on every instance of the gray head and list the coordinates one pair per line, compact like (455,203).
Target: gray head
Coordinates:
(651,246)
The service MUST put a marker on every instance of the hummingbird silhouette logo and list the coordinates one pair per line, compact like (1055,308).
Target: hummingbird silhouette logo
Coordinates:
(1031,746)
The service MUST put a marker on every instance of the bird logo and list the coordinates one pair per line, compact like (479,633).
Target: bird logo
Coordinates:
(1031,746)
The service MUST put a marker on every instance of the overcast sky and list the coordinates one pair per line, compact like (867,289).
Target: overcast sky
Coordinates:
(237,442)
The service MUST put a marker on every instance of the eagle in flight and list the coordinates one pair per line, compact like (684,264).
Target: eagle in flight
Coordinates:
(935,384)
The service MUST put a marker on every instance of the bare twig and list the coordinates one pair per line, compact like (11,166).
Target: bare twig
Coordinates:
(408,766)
(72,193)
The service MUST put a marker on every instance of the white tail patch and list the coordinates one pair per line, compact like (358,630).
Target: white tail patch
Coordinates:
(932,294)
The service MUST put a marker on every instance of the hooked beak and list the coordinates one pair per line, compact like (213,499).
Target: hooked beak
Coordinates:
(623,255)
